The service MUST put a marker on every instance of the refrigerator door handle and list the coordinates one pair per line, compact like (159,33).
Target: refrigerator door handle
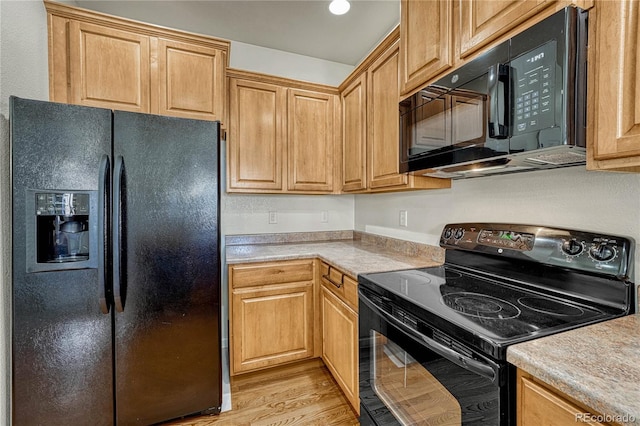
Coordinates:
(118,220)
(103,220)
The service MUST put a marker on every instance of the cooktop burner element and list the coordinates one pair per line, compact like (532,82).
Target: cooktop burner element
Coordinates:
(552,307)
(480,305)
(491,293)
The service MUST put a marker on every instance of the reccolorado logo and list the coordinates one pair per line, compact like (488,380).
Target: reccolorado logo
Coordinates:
(607,418)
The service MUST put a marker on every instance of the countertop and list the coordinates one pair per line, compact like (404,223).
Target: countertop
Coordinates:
(598,365)
(353,257)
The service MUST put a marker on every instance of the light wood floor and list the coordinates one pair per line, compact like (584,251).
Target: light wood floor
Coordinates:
(300,394)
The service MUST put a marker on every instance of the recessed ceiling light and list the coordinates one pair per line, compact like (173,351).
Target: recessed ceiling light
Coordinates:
(339,7)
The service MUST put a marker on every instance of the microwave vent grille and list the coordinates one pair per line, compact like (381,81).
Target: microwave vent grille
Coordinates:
(558,158)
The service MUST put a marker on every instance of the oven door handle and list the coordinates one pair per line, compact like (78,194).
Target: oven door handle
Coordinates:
(483,369)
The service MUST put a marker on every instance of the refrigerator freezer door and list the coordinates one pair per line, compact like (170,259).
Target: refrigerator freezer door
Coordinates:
(61,340)
(167,337)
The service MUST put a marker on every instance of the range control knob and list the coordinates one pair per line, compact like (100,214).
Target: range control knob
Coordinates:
(458,234)
(602,252)
(447,233)
(572,248)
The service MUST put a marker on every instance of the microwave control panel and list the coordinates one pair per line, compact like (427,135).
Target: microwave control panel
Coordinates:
(534,85)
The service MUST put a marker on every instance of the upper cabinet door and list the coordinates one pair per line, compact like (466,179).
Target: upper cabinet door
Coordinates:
(256,136)
(354,134)
(614,86)
(109,68)
(190,80)
(482,21)
(426,46)
(311,140)
(382,139)
(110,62)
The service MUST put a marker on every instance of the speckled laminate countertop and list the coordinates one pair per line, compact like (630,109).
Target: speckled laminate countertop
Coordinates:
(598,365)
(353,256)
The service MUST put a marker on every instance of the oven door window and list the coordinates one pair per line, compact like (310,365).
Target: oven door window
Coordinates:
(412,394)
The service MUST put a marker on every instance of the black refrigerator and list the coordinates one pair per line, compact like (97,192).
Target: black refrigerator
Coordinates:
(116,266)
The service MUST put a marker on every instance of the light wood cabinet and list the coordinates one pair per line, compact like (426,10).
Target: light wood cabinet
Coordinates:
(354,135)
(370,100)
(426,41)
(311,140)
(271,314)
(283,135)
(482,21)
(257,135)
(109,68)
(280,313)
(191,80)
(539,404)
(339,324)
(110,62)
(613,136)
(383,149)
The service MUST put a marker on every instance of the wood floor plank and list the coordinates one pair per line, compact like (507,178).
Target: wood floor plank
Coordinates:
(303,393)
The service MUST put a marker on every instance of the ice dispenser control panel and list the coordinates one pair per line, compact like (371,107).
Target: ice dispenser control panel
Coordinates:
(66,204)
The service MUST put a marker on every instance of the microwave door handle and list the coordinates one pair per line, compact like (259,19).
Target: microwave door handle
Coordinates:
(464,361)
(498,91)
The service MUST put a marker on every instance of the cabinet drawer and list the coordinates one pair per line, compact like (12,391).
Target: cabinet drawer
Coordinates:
(340,284)
(351,292)
(248,275)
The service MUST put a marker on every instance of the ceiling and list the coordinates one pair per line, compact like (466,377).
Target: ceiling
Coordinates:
(305,27)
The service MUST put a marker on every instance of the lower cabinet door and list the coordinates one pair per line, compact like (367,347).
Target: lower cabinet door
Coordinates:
(340,344)
(271,325)
(538,405)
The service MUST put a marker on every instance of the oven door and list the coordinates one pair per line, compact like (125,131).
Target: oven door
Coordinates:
(408,378)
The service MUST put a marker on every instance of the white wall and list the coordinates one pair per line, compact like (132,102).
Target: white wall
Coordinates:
(249,214)
(572,198)
(23,72)
(284,64)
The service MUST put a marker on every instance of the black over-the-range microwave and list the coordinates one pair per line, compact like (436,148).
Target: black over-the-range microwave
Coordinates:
(519,106)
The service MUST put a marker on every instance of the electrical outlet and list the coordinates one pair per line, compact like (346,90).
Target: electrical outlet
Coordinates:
(324,217)
(403,218)
(273,217)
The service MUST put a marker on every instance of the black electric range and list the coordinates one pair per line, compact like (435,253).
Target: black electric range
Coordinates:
(500,284)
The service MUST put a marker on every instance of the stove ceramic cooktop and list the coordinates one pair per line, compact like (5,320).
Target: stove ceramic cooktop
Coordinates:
(497,311)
